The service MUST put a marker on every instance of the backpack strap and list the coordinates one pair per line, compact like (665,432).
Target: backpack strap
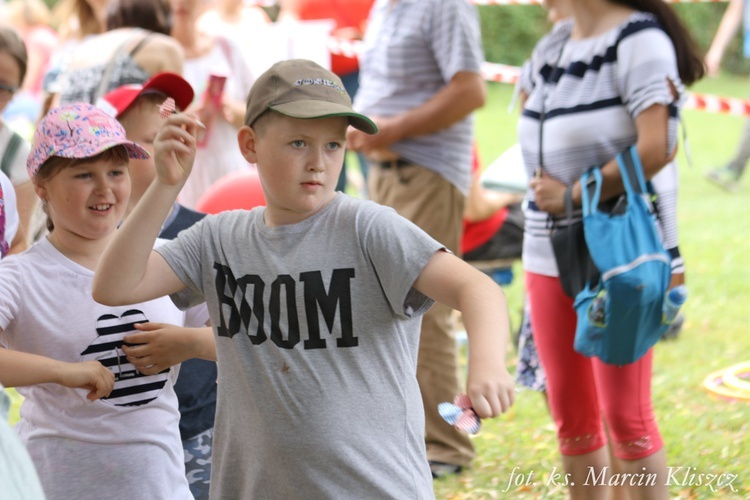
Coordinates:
(591,190)
(138,46)
(10,152)
(631,172)
(120,51)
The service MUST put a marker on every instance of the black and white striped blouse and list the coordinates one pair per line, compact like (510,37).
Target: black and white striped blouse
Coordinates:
(591,91)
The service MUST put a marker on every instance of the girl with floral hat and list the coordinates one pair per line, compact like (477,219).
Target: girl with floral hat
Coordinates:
(126,442)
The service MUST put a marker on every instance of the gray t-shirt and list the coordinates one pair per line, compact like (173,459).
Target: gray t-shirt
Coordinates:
(318,329)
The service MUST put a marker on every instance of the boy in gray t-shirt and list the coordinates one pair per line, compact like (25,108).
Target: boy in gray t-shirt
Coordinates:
(315,300)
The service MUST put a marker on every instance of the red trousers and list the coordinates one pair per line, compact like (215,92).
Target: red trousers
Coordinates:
(583,392)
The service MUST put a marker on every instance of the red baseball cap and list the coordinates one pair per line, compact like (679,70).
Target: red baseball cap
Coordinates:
(170,84)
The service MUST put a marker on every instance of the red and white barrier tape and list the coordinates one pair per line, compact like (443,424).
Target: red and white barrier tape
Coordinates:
(500,73)
(344,46)
(700,102)
(503,73)
(717,104)
(539,2)
(272,3)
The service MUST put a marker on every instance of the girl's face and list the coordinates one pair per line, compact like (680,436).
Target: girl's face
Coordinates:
(87,200)
(10,76)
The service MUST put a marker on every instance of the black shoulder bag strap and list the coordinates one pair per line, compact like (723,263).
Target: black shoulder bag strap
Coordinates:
(542,116)
(571,253)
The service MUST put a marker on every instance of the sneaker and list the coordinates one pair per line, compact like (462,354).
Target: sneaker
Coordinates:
(442,470)
(725,177)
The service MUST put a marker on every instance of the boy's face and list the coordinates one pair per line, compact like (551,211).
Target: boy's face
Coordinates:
(299,162)
(10,75)
(141,123)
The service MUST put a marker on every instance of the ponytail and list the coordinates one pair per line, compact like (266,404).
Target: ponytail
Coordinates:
(689,60)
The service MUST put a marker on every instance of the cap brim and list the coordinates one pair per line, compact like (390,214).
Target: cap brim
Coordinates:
(172,85)
(324,109)
(115,103)
(135,151)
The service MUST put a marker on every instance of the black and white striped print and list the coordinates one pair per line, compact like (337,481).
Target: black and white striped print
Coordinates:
(132,388)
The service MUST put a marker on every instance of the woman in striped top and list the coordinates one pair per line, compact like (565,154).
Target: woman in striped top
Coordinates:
(610,76)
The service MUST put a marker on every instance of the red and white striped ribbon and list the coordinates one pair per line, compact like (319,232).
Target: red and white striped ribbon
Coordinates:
(272,3)
(539,2)
(717,104)
(500,73)
(503,73)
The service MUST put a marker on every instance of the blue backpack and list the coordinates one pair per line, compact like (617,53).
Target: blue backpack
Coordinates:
(620,315)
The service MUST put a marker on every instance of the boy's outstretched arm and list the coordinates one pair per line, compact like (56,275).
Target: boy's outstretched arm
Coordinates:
(451,281)
(129,271)
(19,369)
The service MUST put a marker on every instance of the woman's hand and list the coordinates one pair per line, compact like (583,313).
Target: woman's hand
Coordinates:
(549,194)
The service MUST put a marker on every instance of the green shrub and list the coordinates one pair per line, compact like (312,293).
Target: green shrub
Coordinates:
(510,32)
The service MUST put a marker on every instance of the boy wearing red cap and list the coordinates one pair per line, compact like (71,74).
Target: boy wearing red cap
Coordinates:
(139,108)
(136,107)
(315,300)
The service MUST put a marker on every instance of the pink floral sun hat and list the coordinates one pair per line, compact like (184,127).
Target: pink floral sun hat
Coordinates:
(78,131)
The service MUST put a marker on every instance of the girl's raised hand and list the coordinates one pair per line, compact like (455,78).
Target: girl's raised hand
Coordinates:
(174,148)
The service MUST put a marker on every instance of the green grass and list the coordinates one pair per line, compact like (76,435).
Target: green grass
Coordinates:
(700,431)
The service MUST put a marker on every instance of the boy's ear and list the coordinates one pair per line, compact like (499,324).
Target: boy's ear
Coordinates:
(247,138)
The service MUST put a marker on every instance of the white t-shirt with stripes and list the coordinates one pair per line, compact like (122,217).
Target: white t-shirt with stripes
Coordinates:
(412,49)
(591,91)
(128,444)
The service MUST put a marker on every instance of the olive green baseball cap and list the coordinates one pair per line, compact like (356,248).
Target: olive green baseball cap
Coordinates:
(303,89)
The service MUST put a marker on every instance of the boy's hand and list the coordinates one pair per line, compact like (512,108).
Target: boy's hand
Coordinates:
(89,375)
(174,149)
(491,389)
(161,345)
(451,281)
